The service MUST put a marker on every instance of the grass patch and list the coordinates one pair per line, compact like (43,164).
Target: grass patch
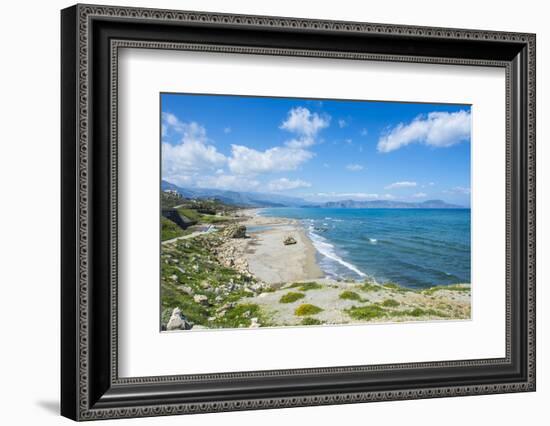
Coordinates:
(350,295)
(209,218)
(368,286)
(169,229)
(419,312)
(240,316)
(185,267)
(291,297)
(455,287)
(390,303)
(307,309)
(312,285)
(366,312)
(311,321)
(395,287)
(190,214)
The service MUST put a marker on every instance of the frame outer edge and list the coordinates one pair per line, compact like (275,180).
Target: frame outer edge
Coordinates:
(80,318)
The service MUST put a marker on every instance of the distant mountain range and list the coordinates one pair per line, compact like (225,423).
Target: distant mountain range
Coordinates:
(257,199)
(245,199)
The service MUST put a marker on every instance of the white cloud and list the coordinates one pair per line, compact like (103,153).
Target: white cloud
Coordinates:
(354,167)
(227,130)
(188,130)
(302,142)
(342,123)
(246,160)
(191,155)
(437,129)
(420,195)
(303,122)
(403,184)
(284,184)
(305,125)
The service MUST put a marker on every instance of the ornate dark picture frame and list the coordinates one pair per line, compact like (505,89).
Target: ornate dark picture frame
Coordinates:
(91,37)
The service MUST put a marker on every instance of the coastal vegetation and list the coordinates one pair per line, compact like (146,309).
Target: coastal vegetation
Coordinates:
(207,282)
(307,309)
(350,295)
(291,297)
(310,285)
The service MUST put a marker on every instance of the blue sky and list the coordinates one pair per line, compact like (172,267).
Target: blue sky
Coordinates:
(320,150)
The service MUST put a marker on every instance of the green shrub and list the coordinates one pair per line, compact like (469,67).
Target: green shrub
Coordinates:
(390,303)
(454,287)
(307,309)
(311,321)
(312,285)
(291,297)
(366,312)
(169,229)
(419,312)
(350,295)
(368,286)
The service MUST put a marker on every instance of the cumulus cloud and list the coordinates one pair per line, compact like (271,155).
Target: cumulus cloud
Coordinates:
(354,167)
(246,160)
(284,184)
(188,130)
(342,123)
(403,184)
(305,124)
(437,129)
(420,195)
(192,154)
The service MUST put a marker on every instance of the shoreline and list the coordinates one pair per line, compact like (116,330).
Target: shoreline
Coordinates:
(269,259)
(245,276)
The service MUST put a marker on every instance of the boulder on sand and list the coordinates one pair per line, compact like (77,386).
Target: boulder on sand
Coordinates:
(289,240)
(177,321)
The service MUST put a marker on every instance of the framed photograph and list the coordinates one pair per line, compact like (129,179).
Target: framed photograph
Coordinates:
(263,212)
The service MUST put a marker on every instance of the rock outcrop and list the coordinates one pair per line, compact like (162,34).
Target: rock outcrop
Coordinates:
(178,321)
(234,231)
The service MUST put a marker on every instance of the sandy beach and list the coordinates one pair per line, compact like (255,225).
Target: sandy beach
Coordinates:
(269,259)
(246,276)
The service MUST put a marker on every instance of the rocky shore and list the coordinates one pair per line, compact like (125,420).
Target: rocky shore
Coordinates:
(245,275)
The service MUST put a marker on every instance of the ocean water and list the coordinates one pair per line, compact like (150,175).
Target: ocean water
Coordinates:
(416,248)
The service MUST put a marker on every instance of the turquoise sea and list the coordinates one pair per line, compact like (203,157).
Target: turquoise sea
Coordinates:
(415,248)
